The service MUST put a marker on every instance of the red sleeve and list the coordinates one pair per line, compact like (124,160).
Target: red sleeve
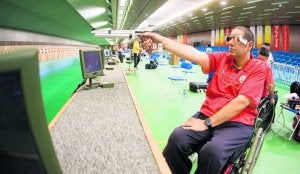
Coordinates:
(269,77)
(214,60)
(254,84)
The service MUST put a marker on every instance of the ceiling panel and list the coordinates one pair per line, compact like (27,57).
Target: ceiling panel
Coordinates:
(62,17)
(55,17)
(139,11)
(235,12)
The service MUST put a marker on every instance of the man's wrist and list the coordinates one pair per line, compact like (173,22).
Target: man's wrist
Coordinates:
(208,123)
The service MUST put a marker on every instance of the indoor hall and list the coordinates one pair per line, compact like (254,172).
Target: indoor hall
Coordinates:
(123,123)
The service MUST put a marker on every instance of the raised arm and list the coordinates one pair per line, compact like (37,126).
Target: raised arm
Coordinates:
(185,51)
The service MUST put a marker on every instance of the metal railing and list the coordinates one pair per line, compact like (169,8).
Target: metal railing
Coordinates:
(285,74)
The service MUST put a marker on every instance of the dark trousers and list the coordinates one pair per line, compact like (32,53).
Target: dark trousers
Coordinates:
(136,58)
(120,56)
(214,147)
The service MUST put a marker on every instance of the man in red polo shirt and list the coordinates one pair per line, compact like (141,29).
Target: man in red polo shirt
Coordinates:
(226,118)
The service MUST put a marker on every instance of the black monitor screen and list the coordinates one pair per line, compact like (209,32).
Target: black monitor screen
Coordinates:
(18,152)
(92,61)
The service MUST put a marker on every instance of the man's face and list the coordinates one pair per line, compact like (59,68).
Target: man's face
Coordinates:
(238,45)
(267,47)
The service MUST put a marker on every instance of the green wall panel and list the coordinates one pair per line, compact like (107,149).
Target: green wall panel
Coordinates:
(59,79)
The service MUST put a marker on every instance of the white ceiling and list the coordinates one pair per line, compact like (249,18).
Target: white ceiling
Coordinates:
(189,16)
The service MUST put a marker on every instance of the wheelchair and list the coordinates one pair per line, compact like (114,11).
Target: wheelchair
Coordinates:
(244,158)
(266,114)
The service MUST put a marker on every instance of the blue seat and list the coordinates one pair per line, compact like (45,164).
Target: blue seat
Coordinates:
(176,78)
(186,67)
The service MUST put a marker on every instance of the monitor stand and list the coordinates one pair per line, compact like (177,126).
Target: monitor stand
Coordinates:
(91,85)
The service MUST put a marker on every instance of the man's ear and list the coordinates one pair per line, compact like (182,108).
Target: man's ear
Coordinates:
(250,43)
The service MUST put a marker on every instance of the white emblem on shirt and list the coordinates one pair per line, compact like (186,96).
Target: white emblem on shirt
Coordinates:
(242,78)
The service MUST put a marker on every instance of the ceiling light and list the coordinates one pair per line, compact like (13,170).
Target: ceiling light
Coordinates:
(226,12)
(292,12)
(246,13)
(99,24)
(279,3)
(267,14)
(250,2)
(259,18)
(284,17)
(171,7)
(90,13)
(102,31)
(209,17)
(208,13)
(226,17)
(226,8)
(278,20)
(122,3)
(271,9)
(223,3)
(247,8)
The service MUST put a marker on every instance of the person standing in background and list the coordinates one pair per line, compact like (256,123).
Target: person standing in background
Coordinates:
(270,58)
(120,52)
(136,51)
(208,49)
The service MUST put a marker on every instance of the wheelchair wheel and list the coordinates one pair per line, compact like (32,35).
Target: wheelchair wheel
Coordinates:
(253,152)
(265,115)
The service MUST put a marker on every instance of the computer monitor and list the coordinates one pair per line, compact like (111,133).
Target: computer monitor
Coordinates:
(25,143)
(92,64)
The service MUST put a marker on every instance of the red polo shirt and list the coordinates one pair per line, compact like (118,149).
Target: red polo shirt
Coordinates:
(262,58)
(228,82)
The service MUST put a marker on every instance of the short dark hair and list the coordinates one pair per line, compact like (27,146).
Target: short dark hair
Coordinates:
(264,52)
(208,45)
(247,33)
(267,44)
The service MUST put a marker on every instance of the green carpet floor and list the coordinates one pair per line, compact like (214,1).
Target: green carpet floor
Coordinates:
(165,107)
